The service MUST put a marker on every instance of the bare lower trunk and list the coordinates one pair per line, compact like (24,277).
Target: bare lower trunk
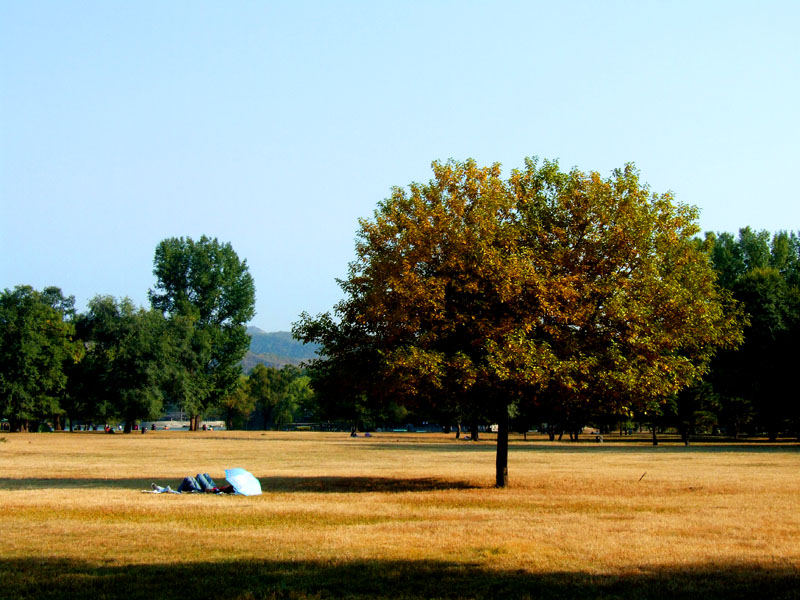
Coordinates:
(458,431)
(502,450)
(474,432)
(655,439)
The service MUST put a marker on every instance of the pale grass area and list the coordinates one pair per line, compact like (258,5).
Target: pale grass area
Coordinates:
(580,508)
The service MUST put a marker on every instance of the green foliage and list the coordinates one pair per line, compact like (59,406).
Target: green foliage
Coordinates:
(127,362)
(36,345)
(208,295)
(281,395)
(237,405)
(756,383)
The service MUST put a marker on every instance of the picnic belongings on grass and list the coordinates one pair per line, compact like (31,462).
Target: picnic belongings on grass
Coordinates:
(240,482)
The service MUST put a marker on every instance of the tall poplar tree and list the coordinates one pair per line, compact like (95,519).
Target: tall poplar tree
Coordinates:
(208,295)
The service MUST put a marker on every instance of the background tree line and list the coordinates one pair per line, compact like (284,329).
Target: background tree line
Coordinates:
(119,362)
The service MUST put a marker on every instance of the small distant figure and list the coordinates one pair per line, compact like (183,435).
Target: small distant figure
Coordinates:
(599,439)
(368,434)
(153,426)
(205,427)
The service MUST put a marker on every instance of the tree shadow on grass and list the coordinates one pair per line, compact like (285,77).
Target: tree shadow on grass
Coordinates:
(587,446)
(327,484)
(361,484)
(36,578)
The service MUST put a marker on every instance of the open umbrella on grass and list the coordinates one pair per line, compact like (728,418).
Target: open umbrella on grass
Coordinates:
(243,482)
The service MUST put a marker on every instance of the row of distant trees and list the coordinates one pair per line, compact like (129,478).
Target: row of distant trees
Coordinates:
(270,398)
(563,298)
(116,361)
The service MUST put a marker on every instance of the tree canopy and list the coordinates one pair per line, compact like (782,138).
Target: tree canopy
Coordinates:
(484,294)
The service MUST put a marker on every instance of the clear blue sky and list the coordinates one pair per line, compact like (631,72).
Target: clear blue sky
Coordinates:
(276,125)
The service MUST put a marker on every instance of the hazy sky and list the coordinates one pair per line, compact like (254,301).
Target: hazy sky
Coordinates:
(276,125)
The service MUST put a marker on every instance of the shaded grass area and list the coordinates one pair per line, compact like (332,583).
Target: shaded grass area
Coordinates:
(317,484)
(48,578)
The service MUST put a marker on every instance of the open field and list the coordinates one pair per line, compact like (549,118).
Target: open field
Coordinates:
(396,516)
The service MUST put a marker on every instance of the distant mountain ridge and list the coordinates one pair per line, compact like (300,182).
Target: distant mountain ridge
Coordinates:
(276,349)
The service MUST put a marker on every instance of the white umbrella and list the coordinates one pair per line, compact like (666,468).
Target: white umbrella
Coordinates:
(243,482)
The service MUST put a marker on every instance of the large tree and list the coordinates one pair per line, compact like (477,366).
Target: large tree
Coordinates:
(208,294)
(36,344)
(486,293)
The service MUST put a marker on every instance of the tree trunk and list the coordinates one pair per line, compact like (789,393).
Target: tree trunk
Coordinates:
(773,428)
(127,426)
(502,450)
(474,431)
(685,435)
(655,439)
(458,430)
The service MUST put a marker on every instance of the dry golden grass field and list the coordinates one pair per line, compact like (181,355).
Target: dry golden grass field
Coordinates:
(396,516)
